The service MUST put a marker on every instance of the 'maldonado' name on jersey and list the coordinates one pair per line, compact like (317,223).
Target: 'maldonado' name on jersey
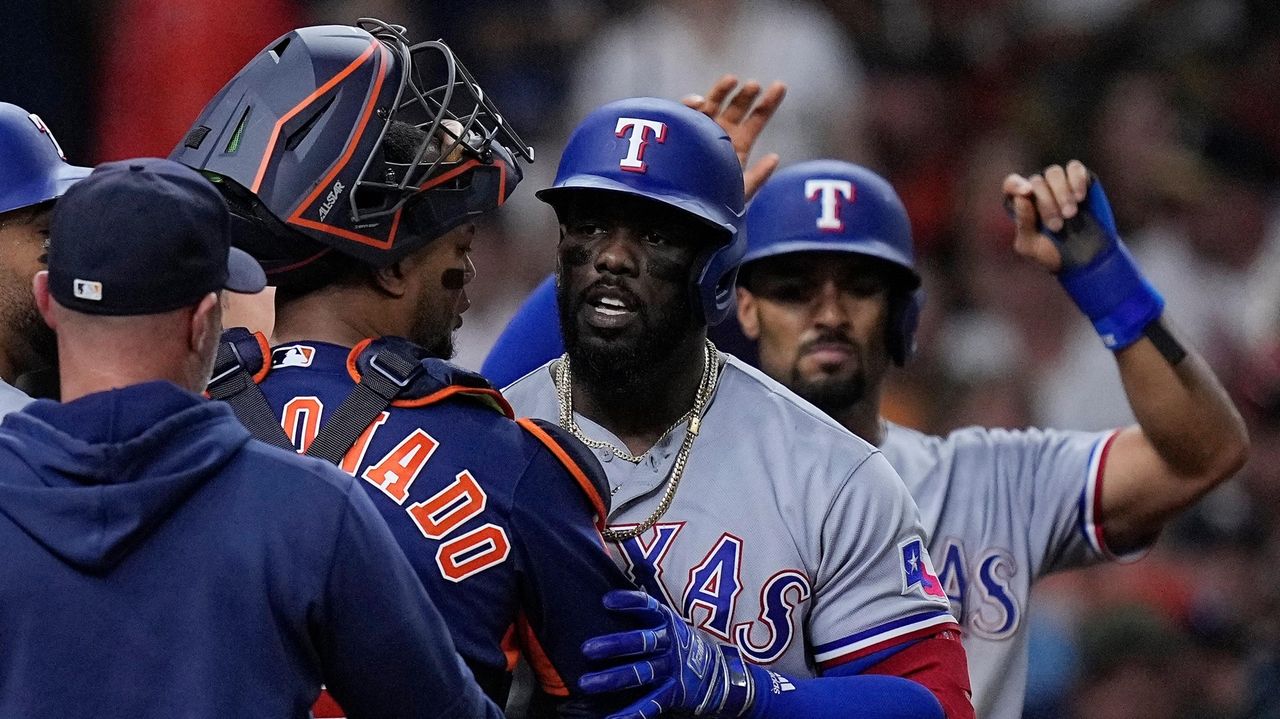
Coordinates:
(789,536)
(496,516)
(1003,508)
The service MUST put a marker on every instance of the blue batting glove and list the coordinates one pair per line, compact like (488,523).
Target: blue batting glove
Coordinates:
(1101,276)
(688,671)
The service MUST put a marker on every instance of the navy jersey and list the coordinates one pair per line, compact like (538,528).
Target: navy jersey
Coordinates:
(498,517)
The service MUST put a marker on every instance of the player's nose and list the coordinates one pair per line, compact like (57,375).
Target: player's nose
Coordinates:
(616,252)
(827,308)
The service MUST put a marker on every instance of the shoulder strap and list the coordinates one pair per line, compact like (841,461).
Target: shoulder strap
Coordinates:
(383,370)
(386,375)
(578,460)
(234,382)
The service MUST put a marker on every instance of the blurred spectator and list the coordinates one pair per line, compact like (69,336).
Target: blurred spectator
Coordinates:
(1131,667)
(672,48)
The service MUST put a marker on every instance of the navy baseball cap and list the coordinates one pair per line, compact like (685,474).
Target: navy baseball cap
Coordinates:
(144,236)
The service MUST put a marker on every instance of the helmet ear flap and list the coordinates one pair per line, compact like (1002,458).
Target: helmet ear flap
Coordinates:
(900,327)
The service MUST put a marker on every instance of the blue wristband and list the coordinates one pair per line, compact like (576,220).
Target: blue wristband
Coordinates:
(741,690)
(1107,286)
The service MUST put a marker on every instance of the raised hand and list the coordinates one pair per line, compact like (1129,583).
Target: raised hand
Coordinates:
(1065,225)
(1045,202)
(743,111)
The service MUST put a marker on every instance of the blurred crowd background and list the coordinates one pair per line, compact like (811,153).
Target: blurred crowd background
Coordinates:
(1174,103)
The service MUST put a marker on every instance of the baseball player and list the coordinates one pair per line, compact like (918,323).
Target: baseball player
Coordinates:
(367,235)
(33,174)
(157,561)
(734,505)
(829,289)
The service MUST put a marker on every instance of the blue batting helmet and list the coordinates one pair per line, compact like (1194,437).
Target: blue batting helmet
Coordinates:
(306,130)
(34,170)
(834,206)
(666,152)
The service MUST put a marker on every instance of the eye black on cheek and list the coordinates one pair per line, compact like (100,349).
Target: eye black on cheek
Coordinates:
(669,270)
(574,255)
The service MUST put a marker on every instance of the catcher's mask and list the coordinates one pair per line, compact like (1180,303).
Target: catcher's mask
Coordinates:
(332,132)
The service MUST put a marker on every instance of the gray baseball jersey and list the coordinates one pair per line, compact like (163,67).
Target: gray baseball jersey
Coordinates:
(1003,508)
(789,536)
(12,399)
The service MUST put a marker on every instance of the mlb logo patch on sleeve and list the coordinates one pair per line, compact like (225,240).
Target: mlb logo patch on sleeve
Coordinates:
(917,572)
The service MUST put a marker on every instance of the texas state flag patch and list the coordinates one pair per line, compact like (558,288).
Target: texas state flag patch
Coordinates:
(917,572)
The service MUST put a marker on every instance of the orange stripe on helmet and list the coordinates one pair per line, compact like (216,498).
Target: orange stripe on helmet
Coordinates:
(296,218)
(320,91)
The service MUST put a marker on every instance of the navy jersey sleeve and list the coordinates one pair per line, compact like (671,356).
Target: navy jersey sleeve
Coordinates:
(385,650)
(564,568)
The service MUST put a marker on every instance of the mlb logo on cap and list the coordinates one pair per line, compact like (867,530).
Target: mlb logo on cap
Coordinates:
(87,290)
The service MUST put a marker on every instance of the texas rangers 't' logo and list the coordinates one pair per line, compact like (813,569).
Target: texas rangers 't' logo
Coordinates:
(829,192)
(639,140)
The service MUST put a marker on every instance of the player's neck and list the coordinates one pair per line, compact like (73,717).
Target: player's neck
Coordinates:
(862,418)
(82,371)
(642,413)
(339,316)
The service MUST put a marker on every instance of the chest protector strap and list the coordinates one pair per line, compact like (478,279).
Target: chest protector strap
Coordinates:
(384,371)
(385,376)
(241,363)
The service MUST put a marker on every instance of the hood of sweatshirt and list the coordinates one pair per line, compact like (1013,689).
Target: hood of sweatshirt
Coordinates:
(91,479)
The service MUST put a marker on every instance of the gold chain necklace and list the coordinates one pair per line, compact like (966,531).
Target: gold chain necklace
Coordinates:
(615,449)
(706,386)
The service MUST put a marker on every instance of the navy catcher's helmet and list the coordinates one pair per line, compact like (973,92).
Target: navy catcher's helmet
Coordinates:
(296,140)
(834,206)
(666,152)
(33,170)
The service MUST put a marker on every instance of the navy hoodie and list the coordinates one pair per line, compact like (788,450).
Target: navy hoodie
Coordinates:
(157,562)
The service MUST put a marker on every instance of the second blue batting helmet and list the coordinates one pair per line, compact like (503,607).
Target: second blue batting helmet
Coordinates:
(666,152)
(834,206)
(33,170)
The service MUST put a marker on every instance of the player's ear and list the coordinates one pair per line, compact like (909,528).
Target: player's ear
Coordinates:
(44,302)
(394,279)
(747,317)
(206,323)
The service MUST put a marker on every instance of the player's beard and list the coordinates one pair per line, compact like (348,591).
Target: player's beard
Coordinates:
(428,333)
(619,367)
(833,393)
(43,341)
(35,345)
